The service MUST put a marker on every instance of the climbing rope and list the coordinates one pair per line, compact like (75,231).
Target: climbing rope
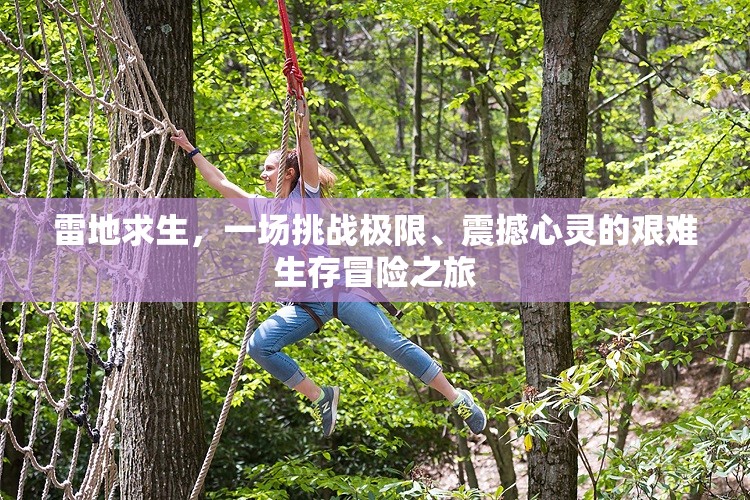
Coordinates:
(249,328)
(295,94)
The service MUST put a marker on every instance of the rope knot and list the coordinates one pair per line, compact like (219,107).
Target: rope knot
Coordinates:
(116,326)
(91,350)
(81,419)
(292,69)
(77,418)
(294,77)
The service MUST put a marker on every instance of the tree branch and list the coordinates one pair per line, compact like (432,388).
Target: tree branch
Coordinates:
(635,85)
(710,152)
(698,265)
(331,144)
(674,88)
(464,52)
(351,120)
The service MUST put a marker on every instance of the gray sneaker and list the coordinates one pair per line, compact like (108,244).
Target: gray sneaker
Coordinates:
(324,411)
(470,412)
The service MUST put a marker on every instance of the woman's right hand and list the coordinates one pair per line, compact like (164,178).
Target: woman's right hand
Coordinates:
(181,140)
(303,118)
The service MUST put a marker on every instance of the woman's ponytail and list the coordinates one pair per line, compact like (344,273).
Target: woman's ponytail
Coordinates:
(327,178)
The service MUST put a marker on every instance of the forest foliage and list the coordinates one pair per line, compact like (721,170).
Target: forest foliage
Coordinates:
(669,111)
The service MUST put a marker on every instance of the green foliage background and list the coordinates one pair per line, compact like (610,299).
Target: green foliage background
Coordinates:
(359,55)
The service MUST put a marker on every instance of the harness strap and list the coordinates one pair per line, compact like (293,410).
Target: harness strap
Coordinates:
(372,294)
(336,291)
(387,304)
(312,314)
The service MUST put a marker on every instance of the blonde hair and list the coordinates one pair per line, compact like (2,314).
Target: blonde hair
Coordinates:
(327,178)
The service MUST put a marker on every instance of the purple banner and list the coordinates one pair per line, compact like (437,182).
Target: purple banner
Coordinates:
(450,250)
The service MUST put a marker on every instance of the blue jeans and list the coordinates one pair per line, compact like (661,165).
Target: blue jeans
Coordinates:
(292,323)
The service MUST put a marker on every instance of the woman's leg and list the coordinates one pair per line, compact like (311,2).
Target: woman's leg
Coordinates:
(288,325)
(370,322)
(441,384)
(308,388)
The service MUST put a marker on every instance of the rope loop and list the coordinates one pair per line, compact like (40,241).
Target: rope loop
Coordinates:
(294,78)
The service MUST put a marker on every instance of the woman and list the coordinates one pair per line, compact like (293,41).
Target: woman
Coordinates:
(294,322)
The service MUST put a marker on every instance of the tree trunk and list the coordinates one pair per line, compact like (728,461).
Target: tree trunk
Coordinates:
(10,469)
(502,452)
(162,425)
(465,464)
(488,149)
(416,145)
(548,349)
(646,100)
(401,106)
(626,413)
(668,376)
(439,122)
(464,455)
(470,142)
(519,135)
(471,147)
(602,150)
(572,33)
(738,326)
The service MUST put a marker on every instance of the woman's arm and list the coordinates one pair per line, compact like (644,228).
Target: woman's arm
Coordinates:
(215,177)
(306,150)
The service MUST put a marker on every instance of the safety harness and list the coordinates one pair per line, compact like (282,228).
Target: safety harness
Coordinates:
(371,295)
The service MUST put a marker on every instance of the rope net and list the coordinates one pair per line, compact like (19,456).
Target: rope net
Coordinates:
(83,120)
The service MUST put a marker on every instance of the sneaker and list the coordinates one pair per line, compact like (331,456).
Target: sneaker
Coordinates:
(324,410)
(470,412)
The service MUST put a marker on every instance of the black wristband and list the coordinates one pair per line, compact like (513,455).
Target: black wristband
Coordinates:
(194,152)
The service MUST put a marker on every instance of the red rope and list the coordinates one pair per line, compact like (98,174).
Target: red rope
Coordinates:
(294,76)
(295,87)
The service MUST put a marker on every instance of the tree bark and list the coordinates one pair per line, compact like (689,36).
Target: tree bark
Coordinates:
(162,426)
(646,100)
(738,326)
(488,149)
(12,458)
(572,33)
(519,135)
(416,146)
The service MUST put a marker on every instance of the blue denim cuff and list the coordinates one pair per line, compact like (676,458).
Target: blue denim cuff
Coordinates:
(431,372)
(295,379)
